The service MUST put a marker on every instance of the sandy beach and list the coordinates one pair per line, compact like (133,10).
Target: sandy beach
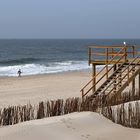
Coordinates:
(36,88)
(33,89)
(74,126)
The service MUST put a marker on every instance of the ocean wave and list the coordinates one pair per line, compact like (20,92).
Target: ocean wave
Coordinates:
(53,67)
(18,61)
(33,69)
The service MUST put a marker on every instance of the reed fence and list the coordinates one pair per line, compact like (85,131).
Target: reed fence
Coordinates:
(105,100)
(127,114)
(16,114)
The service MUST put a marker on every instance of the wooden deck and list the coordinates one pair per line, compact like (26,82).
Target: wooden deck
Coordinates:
(106,53)
(103,62)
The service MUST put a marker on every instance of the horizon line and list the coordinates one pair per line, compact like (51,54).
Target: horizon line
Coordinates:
(65,38)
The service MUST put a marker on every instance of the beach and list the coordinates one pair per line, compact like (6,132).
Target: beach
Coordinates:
(36,88)
(69,70)
(51,70)
(74,126)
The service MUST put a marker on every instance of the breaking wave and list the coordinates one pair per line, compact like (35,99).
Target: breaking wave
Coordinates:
(33,69)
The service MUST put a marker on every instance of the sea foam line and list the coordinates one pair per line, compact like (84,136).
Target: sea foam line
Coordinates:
(33,69)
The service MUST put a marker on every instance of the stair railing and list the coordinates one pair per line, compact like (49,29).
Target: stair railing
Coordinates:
(123,57)
(133,64)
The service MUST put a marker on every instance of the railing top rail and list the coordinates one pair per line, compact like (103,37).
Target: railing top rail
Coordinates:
(105,47)
(112,47)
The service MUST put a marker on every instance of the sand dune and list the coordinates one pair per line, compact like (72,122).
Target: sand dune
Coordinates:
(75,126)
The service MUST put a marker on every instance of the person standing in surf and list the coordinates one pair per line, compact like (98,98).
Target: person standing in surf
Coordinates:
(19,73)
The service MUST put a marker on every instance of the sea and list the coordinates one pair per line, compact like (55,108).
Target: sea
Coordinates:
(46,56)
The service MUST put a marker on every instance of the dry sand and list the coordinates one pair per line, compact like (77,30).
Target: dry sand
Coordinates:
(75,126)
(33,89)
(14,90)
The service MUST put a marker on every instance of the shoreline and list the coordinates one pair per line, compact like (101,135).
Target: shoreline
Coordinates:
(46,74)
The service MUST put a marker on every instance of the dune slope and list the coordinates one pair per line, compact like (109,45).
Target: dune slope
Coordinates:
(75,126)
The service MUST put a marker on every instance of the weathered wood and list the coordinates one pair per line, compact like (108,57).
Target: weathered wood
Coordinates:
(133,82)
(106,63)
(114,90)
(128,116)
(94,77)
(89,56)
(120,78)
(139,83)
(104,54)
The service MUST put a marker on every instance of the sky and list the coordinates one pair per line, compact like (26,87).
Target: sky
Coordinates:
(69,19)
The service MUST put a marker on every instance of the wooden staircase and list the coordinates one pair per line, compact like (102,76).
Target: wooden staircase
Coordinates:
(114,79)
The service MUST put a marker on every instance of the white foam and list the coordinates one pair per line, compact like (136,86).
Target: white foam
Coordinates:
(33,69)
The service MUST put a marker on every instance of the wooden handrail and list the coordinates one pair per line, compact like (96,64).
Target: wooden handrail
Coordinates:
(103,76)
(109,54)
(97,74)
(124,75)
(122,78)
(82,90)
(104,47)
(112,50)
(113,46)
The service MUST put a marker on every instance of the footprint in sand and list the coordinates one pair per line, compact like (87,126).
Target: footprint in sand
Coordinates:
(69,118)
(86,136)
(68,123)
(63,120)
(68,126)
(73,128)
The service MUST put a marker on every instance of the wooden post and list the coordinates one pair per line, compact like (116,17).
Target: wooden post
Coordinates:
(112,52)
(115,67)
(106,63)
(125,52)
(139,84)
(133,51)
(93,75)
(133,83)
(120,79)
(89,56)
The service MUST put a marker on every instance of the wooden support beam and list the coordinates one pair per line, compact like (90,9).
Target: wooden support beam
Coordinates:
(133,51)
(133,83)
(94,78)
(112,52)
(139,84)
(89,56)
(114,90)
(106,63)
(120,79)
(125,51)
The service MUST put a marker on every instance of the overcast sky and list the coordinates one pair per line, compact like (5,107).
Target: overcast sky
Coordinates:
(69,18)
